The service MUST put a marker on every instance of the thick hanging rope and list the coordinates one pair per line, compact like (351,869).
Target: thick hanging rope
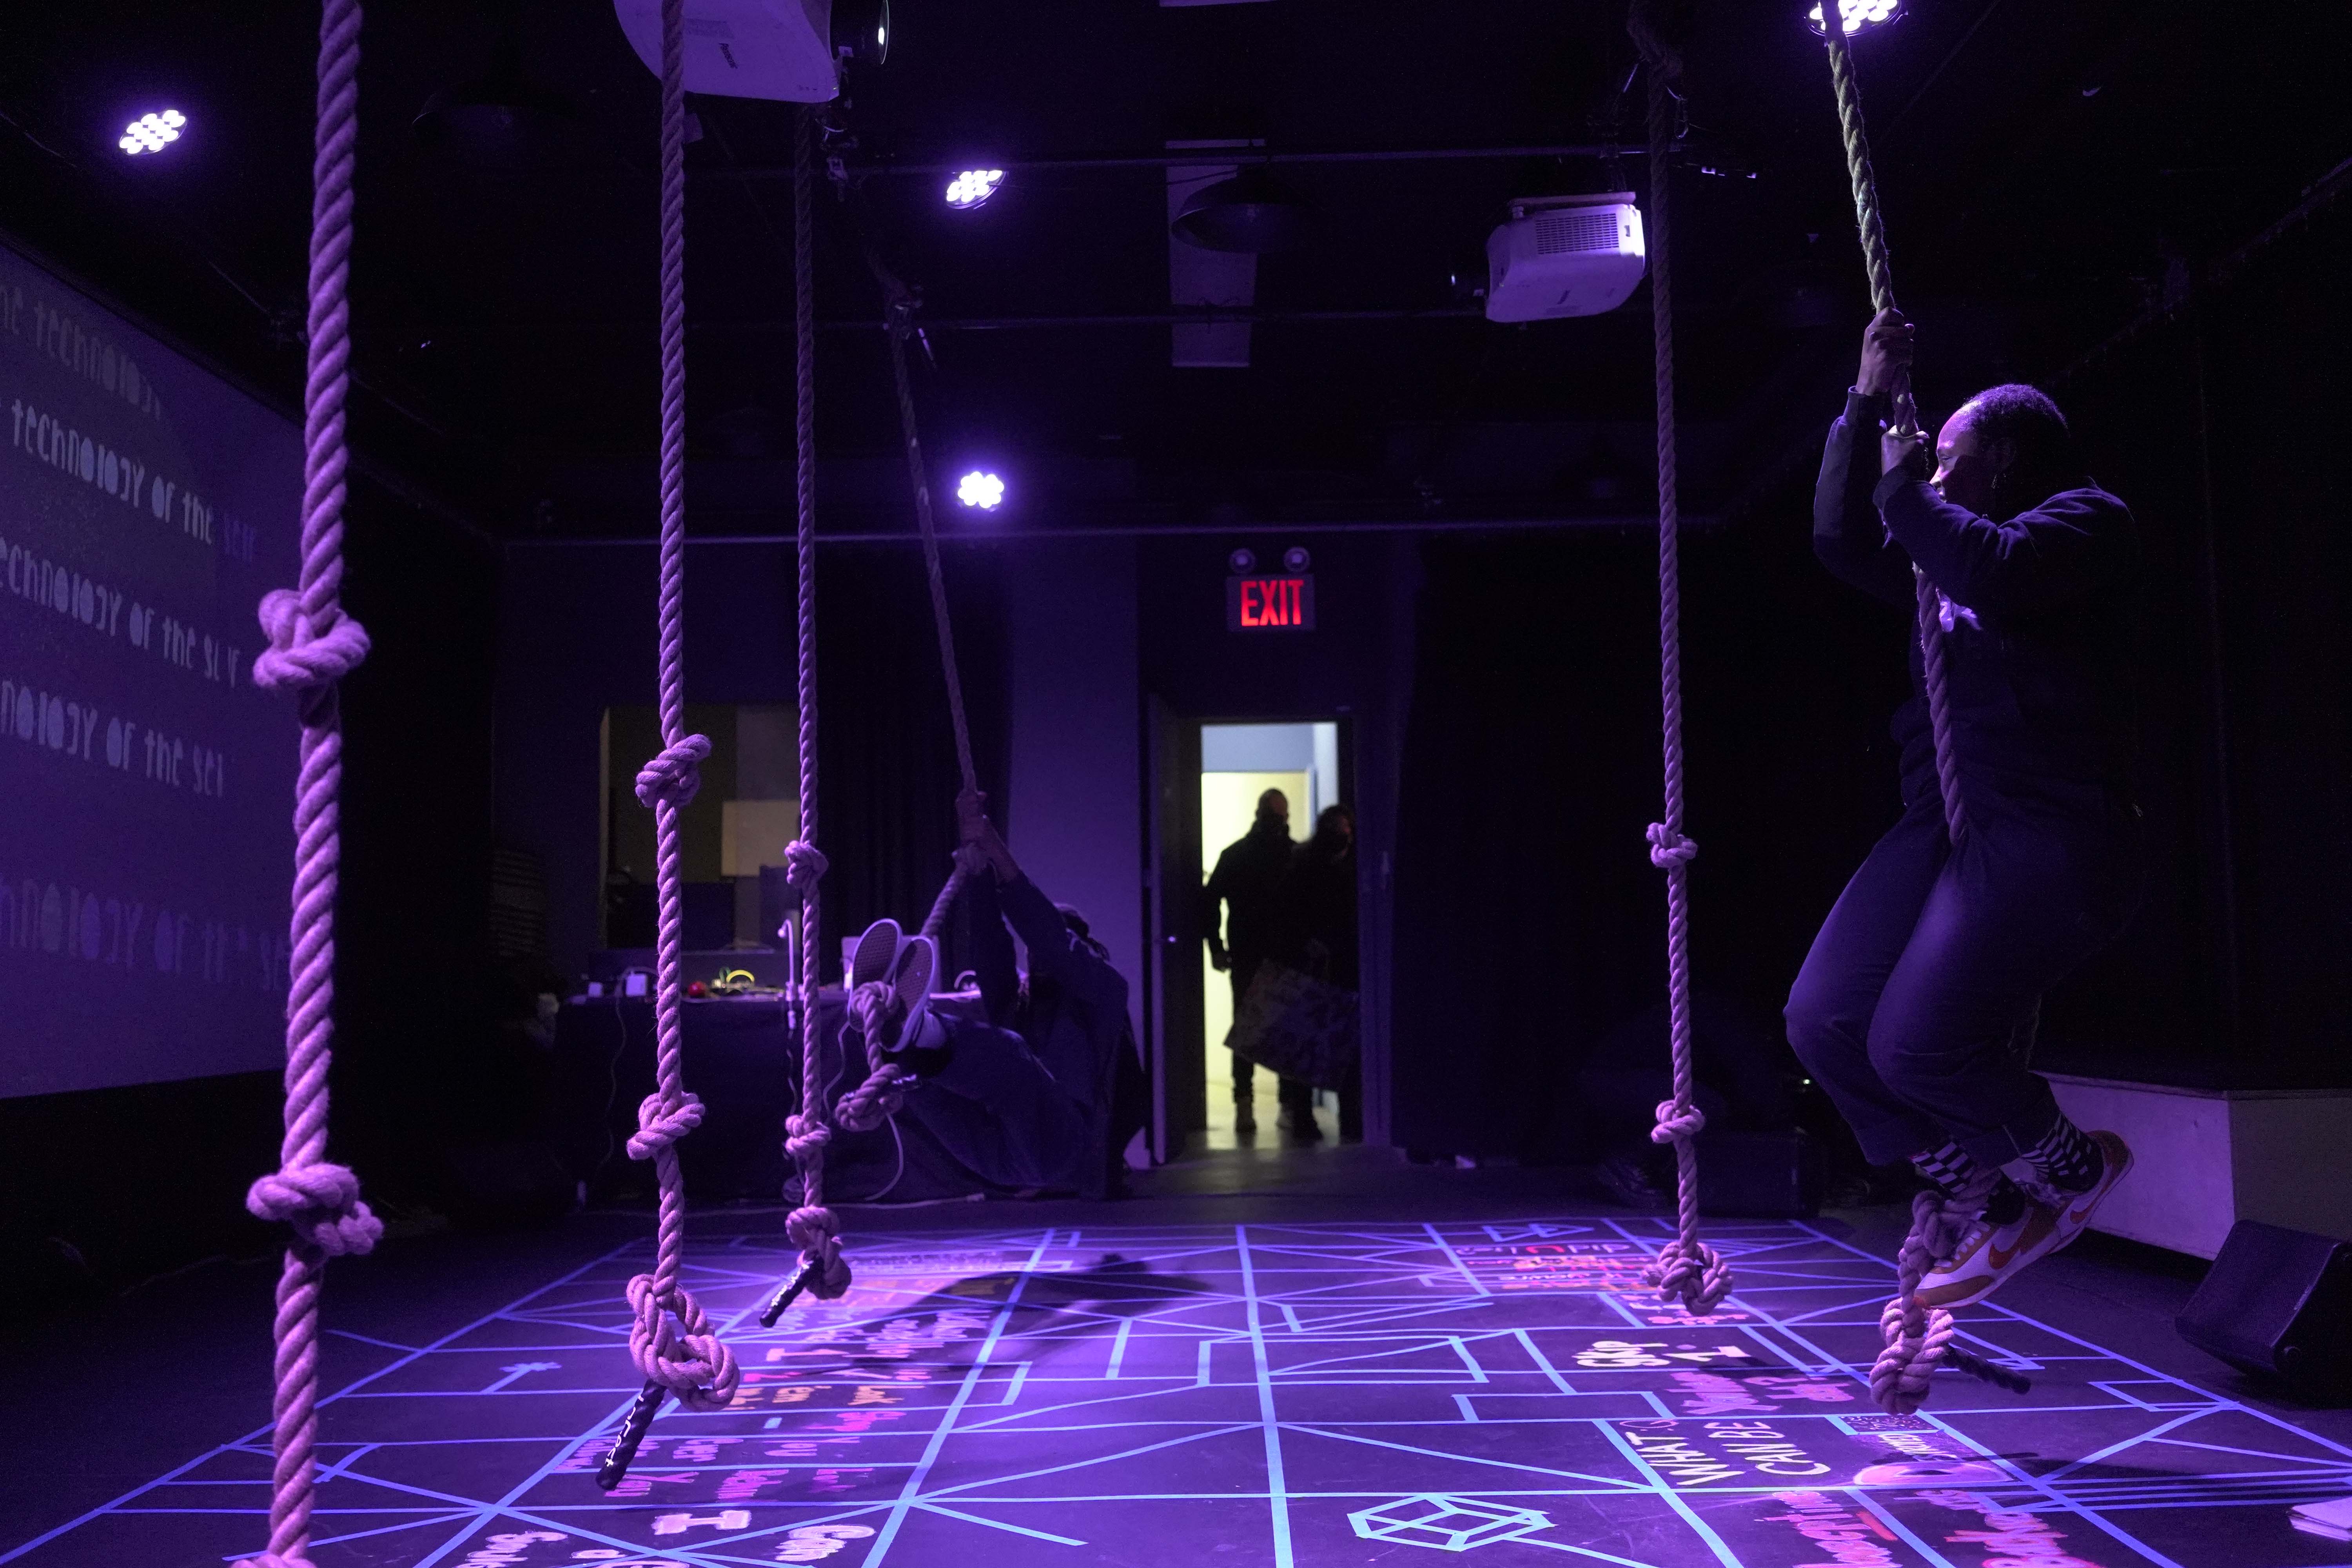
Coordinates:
(901,306)
(1917,1337)
(879,1097)
(1686,1268)
(811,1226)
(1932,607)
(670,1338)
(312,645)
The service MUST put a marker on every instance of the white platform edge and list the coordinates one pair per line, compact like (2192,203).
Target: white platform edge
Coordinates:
(2204,1159)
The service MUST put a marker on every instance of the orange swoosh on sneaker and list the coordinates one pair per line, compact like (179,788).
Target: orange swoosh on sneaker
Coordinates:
(2118,1164)
(2039,1227)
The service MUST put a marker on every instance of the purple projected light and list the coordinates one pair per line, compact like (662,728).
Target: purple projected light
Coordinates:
(1857,15)
(981,490)
(153,133)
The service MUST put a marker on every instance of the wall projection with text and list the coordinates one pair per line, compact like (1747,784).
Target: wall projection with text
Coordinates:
(145,838)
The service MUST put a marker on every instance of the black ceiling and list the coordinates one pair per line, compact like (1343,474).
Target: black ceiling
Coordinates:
(2051,168)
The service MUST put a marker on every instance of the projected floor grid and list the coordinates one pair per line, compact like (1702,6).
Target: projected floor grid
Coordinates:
(1269,1394)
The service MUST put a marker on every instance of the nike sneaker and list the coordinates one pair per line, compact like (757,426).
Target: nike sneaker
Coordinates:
(2072,1211)
(2010,1230)
(2013,1232)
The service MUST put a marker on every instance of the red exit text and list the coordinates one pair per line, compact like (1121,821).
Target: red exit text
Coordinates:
(1270,603)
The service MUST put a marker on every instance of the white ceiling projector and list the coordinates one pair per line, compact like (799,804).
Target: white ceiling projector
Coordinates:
(1564,255)
(778,49)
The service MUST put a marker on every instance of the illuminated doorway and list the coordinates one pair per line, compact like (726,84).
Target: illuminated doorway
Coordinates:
(1239,762)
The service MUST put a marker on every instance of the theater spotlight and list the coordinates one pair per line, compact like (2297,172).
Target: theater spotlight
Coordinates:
(974,187)
(153,133)
(982,489)
(1857,15)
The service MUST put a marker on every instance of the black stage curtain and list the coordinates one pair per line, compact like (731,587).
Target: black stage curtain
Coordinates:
(885,745)
(1530,919)
(1522,896)
(411,998)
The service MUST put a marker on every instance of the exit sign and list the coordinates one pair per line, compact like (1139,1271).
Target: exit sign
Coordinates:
(1270,603)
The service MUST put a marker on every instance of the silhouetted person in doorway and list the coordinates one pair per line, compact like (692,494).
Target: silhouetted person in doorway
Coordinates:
(1247,883)
(1319,938)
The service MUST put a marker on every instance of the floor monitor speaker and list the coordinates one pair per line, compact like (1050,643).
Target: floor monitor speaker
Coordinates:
(2277,1303)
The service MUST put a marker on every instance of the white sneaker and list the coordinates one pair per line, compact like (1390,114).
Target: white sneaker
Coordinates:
(1989,1254)
(2072,1211)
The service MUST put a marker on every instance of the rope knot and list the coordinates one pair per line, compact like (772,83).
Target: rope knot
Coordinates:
(1692,1270)
(1916,1341)
(812,1225)
(1677,1122)
(804,1136)
(804,863)
(296,659)
(868,1008)
(672,1343)
(321,1203)
(1670,847)
(1915,1338)
(659,1126)
(672,777)
(813,1230)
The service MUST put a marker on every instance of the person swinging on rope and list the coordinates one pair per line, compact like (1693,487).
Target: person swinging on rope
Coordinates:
(1042,1089)
(1916,1006)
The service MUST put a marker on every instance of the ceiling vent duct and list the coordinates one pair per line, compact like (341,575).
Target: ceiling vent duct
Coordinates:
(1251,213)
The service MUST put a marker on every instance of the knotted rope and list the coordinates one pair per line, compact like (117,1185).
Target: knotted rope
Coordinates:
(811,1226)
(312,645)
(1930,603)
(670,1338)
(1919,1338)
(1686,1268)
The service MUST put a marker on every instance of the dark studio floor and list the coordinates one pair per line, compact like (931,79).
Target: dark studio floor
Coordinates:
(1318,1356)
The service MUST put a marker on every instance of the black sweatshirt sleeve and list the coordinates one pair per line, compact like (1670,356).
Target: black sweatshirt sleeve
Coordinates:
(1848,536)
(2061,551)
(1000,978)
(1053,950)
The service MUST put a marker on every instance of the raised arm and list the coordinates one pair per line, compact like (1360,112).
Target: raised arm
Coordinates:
(1848,536)
(1000,977)
(1055,952)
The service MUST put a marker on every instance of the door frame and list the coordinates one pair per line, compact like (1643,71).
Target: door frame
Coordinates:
(1175,1051)
(1176,1046)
